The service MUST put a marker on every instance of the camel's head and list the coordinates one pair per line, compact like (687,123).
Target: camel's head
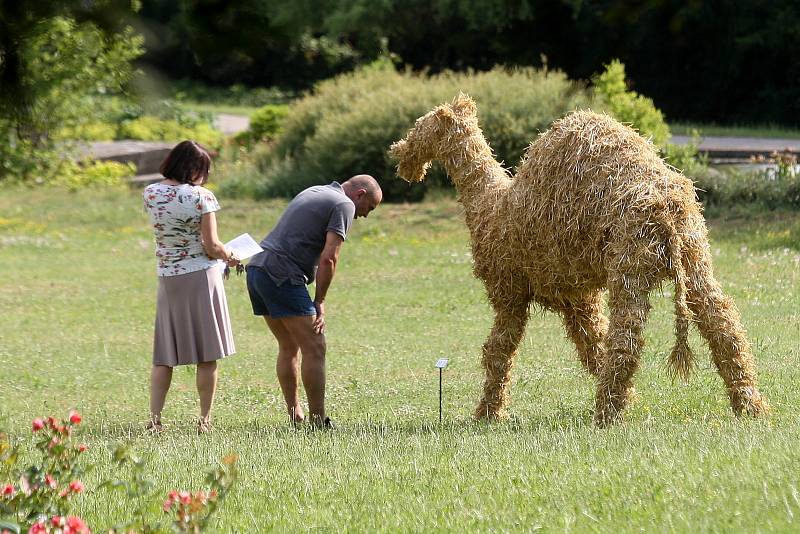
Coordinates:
(432,135)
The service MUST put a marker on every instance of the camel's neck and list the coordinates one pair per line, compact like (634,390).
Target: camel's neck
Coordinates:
(478,177)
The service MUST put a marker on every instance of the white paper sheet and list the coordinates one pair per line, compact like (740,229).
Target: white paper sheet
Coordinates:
(244,246)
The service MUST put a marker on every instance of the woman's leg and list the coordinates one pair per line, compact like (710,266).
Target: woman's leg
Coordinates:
(160,379)
(206,387)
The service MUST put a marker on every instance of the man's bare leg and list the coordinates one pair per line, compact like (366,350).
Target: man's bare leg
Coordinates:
(313,347)
(287,368)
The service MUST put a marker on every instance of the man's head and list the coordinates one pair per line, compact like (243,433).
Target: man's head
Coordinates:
(365,193)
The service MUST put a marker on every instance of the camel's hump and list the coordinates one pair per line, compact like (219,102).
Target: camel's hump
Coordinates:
(587,124)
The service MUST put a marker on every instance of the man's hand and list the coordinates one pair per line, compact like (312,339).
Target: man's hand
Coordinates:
(319,320)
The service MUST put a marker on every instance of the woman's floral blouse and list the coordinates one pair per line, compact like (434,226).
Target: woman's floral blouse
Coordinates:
(175,212)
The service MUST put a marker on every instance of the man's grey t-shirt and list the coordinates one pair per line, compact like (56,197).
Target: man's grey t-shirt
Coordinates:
(292,249)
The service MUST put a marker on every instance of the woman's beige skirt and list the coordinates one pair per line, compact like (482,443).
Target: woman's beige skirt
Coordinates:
(192,322)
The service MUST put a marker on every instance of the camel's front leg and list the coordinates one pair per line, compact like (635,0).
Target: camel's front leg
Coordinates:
(498,357)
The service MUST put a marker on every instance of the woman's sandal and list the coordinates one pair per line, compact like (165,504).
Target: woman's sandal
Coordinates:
(203,427)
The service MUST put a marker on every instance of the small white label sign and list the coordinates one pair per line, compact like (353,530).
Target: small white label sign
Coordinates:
(441,363)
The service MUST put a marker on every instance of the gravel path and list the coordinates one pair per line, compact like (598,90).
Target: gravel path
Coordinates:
(231,124)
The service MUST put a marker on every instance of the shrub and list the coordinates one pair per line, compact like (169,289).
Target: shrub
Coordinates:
(148,128)
(90,131)
(628,106)
(267,121)
(347,124)
(94,174)
(775,186)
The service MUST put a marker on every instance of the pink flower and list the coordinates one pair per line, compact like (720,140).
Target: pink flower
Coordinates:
(7,491)
(38,528)
(76,486)
(74,417)
(82,447)
(50,481)
(52,422)
(76,525)
(37,424)
(185,497)
(57,521)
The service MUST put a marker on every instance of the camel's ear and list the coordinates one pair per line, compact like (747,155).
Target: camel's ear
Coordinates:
(445,112)
(398,149)
(464,106)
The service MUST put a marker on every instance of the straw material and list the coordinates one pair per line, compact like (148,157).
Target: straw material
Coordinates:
(592,207)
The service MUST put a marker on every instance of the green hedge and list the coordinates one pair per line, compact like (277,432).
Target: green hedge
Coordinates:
(347,124)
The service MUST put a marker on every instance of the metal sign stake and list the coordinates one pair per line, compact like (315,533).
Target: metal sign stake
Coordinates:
(441,363)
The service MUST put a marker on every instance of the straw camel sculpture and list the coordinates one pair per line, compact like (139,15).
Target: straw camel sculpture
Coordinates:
(592,207)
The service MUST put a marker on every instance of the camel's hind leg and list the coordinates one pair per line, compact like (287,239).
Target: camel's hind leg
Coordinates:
(629,303)
(719,322)
(587,326)
(511,317)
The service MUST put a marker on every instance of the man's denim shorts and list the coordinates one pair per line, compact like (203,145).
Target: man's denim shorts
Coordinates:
(285,300)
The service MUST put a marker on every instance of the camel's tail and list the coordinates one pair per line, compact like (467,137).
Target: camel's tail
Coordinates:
(681,358)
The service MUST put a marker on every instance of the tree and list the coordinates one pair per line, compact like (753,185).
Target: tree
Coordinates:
(55,58)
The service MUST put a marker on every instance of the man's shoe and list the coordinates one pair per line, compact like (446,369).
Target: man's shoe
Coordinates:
(325,424)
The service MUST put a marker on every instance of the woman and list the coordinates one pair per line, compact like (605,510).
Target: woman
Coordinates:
(192,324)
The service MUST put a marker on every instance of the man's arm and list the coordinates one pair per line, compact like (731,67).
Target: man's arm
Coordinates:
(325,272)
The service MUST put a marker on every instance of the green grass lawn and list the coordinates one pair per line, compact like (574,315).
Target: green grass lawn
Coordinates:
(767,131)
(78,298)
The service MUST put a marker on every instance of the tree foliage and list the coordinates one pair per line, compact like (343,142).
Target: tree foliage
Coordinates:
(721,61)
(58,62)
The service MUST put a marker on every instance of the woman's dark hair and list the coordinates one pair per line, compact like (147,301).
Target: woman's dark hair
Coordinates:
(187,162)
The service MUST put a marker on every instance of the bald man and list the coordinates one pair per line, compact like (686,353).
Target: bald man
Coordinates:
(304,247)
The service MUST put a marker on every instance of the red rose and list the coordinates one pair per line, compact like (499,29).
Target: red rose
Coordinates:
(74,417)
(37,425)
